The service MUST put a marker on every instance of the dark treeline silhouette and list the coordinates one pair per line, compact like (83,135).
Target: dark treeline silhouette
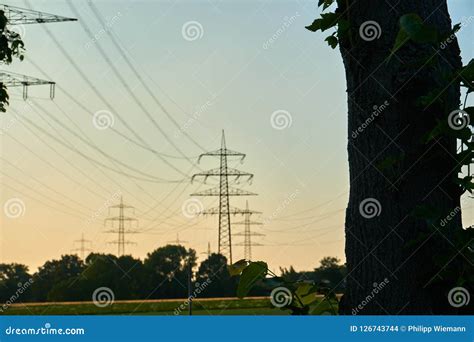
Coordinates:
(163,274)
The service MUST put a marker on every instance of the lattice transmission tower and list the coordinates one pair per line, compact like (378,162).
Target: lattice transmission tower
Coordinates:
(23,16)
(121,230)
(178,241)
(83,246)
(224,191)
(247,233)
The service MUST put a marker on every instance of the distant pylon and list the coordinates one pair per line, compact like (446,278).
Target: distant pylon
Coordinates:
(10,79)
(223,191)
(82,247)
(121,219)
(208,253)
(248,233)
(22,16)
(178,241)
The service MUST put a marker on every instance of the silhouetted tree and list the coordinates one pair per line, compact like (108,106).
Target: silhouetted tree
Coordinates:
(221,283)
(11,46)
(54,272)
(391,163)
(12,278)
(166,271)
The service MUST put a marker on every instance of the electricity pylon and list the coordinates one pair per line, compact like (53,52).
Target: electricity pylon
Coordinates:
(83,247)
(121,219)
(224,191)
(23,16)
(208,253)
(178,241)
(10,79)
(247,234)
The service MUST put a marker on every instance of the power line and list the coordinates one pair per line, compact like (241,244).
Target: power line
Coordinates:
(104,100)
(123,82)
(83,247)
(89,158)
(247,234)
(121,219)
(109,31)
(223,191)
(94,147)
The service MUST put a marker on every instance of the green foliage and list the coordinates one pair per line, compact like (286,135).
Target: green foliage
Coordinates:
(251,274)
(304,293)
(330,20)
(11,46)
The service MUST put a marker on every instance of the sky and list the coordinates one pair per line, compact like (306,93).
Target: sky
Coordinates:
(247,67)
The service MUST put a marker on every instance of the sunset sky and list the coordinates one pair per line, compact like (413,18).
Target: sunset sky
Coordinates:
(252,69)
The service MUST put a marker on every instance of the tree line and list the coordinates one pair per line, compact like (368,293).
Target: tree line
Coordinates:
(163,274)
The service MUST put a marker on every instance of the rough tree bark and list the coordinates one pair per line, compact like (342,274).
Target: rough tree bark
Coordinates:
(378,248)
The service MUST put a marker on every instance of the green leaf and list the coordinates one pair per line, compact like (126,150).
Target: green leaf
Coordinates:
(326,21)
(306,293)
(416,30)
(236,268)
(412,27)
(254,272)
(332,41)
(325,3)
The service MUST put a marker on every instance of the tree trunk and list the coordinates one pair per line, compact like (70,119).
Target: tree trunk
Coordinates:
(388,272)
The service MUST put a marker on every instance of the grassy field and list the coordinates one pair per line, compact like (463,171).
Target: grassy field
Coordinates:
(207,306)
(211,306)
